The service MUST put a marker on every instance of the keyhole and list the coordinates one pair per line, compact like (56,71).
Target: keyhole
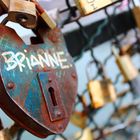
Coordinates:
(52,95)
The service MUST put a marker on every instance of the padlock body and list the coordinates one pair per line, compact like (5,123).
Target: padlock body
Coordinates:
(5,135)
(23,12)
(38,83)
(136,13)
(79,119)
(101,92)
(126,67)
(87,7)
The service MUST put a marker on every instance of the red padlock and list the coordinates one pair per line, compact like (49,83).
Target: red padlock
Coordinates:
(38,83)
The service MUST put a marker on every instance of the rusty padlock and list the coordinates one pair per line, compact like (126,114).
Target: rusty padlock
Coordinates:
(101,91)
(38,83)
(23,12)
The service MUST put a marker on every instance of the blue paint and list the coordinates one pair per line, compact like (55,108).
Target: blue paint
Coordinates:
(33,100)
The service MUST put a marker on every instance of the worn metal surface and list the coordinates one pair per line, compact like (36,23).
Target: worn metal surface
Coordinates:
(38,83)
(23,12)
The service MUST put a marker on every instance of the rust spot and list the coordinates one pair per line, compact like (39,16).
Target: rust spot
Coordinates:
(74,75)
(10,85)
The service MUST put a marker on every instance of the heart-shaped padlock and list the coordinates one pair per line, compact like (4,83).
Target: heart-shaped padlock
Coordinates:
(38,83)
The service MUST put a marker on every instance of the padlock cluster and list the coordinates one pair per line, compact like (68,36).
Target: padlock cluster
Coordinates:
(102,91)
(39,82)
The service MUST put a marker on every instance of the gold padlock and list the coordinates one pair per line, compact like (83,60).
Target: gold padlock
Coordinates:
(78,118)
(44,15)
(85,135)
(9,133)
(4,135)
(101,91)
(126,66)
(87,7)
(136,13)
(23,12)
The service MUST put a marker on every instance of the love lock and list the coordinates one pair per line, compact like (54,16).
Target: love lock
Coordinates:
(23,12)
(20,11)
(38,83)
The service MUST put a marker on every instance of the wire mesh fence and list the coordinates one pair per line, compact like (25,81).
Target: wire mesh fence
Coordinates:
(125,123)
(119,125)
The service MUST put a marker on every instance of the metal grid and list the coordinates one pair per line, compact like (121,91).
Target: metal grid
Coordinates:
(89,41)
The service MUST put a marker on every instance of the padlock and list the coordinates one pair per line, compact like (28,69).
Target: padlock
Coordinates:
(101,91)
(136,13)
(86,134)
(126,66)
(4,135)
(128,70)
(38,83)
(44,15)
(23,12)
(87,7)
(9,133)
(78,118)
(55,16)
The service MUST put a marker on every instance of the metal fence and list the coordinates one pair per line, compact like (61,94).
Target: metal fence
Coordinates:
(104,132)
(110,127)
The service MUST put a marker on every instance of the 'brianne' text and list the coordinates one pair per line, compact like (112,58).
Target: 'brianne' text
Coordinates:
(20,60)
